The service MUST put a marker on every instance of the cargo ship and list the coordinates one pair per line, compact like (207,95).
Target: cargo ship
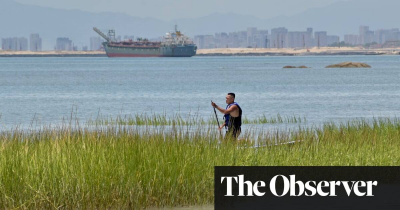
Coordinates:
(175,44)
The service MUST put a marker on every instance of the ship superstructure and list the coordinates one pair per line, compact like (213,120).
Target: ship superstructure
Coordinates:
(175,44)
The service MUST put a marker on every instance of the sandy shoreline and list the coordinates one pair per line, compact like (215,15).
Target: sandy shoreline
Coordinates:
(224,52)
(52,54)
(299,52)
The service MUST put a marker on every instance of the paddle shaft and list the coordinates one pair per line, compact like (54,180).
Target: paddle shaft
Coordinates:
(216,117)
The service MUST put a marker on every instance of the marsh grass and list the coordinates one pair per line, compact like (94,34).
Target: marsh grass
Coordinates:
(134,167)
(152,119)
(194,119)
(275,120)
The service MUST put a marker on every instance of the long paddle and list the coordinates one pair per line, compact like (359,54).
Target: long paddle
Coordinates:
(216,117)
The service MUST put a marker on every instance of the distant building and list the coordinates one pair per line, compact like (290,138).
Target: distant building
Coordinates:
(205,41)
(15,44)
(35,43)
(332,39)
(381,36)
(129,38)
(365,35)
(238,39)
(118,38)
(255,38)
(199,41)
(64,44)
(22,44)
(392,44)
(241,39)
(310,31)
(209,42)
(351,39)
(251,33)
(95,43)
(278,37)
(84,48)
(260,39)
(221,40)
(7,44)
(283,38)
(320,39)
(299,39)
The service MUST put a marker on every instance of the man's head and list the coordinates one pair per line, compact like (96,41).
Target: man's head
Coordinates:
(230,98)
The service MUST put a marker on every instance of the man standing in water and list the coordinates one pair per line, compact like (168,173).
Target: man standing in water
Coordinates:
(233,116)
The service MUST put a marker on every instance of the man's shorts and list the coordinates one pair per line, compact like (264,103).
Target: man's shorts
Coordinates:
(233,132)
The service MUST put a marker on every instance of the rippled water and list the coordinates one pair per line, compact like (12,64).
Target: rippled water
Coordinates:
(47,89)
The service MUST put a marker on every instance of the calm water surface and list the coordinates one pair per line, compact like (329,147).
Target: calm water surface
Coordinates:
(47,89)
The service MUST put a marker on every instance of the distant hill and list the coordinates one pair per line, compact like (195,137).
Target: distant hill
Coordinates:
(21,20)
(345,17)
(339,18)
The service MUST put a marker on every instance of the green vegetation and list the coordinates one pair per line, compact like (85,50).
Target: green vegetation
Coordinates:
(341,44)
(178,120)
(153,166)
(274,120)
(368,45)
(154,119)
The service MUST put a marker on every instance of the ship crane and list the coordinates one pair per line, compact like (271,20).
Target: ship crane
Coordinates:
(102,34)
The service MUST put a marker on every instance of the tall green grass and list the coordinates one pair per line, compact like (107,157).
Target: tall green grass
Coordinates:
(136,167)
(274,120)
(194,119)
(152,119)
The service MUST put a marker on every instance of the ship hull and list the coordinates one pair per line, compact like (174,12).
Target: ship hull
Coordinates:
(177,51)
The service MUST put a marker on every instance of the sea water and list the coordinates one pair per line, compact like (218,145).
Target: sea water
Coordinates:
(47,90)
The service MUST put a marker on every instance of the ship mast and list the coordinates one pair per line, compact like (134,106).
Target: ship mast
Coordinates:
(178,33)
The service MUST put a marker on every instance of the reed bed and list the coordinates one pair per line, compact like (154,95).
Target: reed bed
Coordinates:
(152,119)
(275,120)
(136,167)
(195,119)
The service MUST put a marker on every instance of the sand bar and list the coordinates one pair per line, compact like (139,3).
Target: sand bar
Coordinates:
(298,52)
(225,52)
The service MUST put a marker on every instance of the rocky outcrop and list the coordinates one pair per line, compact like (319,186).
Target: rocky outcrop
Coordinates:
(349,65)
(295,67)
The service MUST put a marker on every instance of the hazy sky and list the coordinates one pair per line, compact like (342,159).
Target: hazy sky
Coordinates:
(173,9)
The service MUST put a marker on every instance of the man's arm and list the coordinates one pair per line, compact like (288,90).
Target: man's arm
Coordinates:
(224,111)
(222,126)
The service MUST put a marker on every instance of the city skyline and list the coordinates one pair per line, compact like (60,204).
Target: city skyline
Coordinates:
(77,25)
(283,38)
(280,37)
